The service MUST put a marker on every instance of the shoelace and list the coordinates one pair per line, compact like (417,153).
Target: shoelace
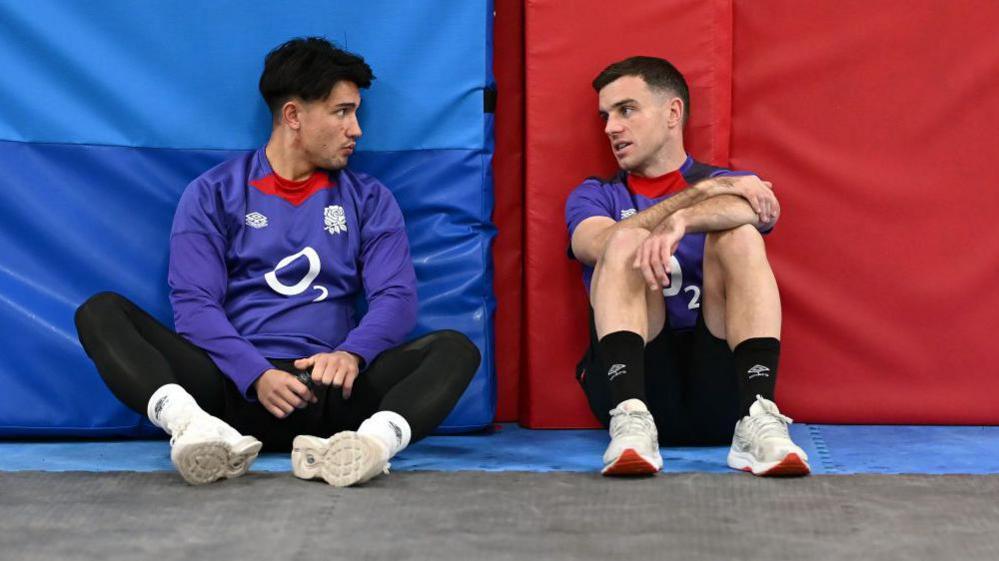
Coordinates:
(770,423)
(633,421)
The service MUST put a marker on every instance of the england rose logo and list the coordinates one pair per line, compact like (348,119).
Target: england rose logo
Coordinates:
(335,219)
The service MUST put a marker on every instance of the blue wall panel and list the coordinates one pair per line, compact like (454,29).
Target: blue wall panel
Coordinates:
(98,218)
(183,74)
(78,220)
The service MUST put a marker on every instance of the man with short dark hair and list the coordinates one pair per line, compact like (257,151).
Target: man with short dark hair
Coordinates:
(268,254)
(686,316)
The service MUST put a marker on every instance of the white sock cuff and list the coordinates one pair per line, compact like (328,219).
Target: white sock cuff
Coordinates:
(391,428)
(167,395)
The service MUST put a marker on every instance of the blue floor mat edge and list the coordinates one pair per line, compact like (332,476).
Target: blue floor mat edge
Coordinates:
(832,449)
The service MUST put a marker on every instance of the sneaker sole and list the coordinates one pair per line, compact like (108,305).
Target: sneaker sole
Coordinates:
(344,460)
(630,463)
(791,466)
(205,462)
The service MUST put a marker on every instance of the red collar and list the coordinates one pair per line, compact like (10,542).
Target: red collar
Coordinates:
(295,192)
(656,187)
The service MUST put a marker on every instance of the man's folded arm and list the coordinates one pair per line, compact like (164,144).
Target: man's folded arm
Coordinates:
(590,237)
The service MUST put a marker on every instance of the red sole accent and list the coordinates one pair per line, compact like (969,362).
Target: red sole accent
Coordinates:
(630,463)
(791,466)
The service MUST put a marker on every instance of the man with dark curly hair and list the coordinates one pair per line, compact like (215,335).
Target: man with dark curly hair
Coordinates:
(268,254)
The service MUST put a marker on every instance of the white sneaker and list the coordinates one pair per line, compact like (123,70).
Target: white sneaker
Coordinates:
(634,445)
(205,448)
(762,446)
(344,459)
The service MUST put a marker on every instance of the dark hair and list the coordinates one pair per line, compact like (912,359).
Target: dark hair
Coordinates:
(658,73)
(308,68)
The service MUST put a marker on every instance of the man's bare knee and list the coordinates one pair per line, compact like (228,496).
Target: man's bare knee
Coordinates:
(741,242)
(621,247)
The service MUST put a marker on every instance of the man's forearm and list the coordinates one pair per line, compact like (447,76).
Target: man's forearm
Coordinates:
(723,212)
(588,246)
(651,217)
(390,317)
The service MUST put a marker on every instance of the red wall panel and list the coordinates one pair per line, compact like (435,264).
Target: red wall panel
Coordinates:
(508,175)
(877,123)
(567,44)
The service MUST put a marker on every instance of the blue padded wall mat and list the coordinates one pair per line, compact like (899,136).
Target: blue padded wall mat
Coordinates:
(107,113)
(183,74)
(842,450)
(96,236)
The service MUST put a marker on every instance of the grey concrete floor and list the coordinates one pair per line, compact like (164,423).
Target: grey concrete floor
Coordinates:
(514,516)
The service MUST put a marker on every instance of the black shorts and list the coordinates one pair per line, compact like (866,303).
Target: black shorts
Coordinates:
(690,385)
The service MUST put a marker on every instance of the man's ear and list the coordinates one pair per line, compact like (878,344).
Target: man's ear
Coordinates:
(290,114)
(674,115)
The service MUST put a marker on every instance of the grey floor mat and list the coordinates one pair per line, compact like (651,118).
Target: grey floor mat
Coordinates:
(516,516)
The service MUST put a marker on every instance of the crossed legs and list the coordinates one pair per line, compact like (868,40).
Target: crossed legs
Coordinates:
(401,398)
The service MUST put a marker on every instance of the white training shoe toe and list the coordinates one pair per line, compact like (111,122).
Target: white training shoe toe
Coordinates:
(634,445)
(762,444)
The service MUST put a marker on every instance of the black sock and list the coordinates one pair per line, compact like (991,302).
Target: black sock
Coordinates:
(623,354)
(756,369)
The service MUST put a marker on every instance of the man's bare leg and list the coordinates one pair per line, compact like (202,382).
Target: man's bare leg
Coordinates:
(627,315)
(742,306)
(740,291)
(620,297)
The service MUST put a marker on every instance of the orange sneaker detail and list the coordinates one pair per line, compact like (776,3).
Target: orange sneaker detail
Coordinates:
(790,466)
(630,463)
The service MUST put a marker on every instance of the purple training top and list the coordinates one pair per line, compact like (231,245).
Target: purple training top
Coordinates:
(614,198)
(262,268)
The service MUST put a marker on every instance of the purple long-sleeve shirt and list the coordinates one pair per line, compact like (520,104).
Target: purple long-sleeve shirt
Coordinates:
(260,268)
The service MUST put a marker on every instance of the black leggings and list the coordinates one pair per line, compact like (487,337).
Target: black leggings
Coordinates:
(421,380)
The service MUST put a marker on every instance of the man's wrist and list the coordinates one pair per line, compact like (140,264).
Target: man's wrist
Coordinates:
(357,358)
(261,377)
(717,186)
(678,220)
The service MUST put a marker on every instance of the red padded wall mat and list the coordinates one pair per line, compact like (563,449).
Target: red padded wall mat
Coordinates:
(878,124)
(508,214)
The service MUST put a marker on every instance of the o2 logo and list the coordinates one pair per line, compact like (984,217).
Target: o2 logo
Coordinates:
(302,285)
(676,283)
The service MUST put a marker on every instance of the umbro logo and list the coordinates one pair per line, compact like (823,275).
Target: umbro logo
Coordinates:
(627,212)
(159,406)
(616,370)
(758,371)
(398,433)
(256,220)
